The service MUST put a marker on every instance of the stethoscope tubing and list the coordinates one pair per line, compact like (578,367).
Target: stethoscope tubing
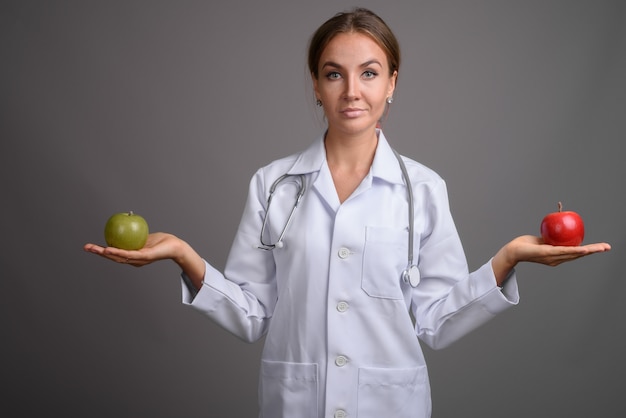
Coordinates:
(409,275)
(301,190)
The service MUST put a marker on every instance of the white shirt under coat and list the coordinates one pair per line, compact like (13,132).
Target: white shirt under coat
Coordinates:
(340,341)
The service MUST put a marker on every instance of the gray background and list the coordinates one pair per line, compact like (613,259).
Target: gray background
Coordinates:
(167,108)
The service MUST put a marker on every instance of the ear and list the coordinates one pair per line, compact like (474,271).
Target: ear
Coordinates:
(392,83)
(315,86)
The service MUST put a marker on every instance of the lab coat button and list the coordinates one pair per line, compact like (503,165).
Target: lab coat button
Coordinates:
(341,361)
(340,413)
(344,253)
(342,306)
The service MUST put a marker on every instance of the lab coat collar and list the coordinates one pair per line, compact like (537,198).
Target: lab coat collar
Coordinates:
(384,166)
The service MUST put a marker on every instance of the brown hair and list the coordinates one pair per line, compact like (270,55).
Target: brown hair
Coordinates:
(358,20)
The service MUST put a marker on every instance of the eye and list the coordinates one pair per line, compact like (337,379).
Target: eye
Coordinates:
(369,74)
(333,75)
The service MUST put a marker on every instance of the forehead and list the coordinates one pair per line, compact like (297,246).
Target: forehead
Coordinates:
(352,48)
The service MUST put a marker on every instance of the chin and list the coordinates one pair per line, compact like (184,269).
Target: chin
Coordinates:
(355,127)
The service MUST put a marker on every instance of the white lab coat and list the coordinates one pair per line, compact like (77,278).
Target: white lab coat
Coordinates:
(339,339)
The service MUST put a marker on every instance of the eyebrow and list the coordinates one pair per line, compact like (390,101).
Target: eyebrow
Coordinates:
(365,64)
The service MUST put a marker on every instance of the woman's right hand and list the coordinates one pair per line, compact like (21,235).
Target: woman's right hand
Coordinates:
(159,246)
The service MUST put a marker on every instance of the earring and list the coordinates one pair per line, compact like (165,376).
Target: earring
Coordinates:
(389,100)
(318,103)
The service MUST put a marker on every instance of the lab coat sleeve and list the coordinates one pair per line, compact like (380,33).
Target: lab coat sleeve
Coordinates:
(241,299)
(450,302)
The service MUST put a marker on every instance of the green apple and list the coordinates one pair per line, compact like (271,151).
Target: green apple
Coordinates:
(126,231)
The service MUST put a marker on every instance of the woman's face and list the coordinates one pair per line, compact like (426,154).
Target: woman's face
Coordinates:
(353,83)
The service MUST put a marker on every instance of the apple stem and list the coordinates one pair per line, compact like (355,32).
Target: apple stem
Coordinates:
(560,207)
(130,213)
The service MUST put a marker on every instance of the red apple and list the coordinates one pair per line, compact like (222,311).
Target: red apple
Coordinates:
(126,230)
(563,228)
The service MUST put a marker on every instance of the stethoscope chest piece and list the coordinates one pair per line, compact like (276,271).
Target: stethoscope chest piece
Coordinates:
(411,276)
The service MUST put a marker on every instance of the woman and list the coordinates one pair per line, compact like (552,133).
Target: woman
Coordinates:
(335,298)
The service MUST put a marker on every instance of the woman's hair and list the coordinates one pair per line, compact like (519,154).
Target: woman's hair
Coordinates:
(358,20)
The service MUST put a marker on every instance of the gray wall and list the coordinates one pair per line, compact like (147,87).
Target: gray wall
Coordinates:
(167,108)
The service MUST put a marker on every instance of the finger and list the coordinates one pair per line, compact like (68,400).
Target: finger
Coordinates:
(599,247)
(93,248)
(585,249)
(573,254)
(117,252)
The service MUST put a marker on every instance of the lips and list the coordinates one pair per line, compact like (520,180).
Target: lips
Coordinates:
(352,112)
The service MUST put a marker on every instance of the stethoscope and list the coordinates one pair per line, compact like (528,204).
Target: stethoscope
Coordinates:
(301,190)
(410,274)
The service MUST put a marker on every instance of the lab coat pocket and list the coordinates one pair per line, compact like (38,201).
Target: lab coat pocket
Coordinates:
(384,258)
(288,389)
(398,393)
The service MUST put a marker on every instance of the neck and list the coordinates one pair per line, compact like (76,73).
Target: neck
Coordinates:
(351,152)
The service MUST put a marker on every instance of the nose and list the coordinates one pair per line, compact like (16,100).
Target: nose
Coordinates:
(352,88)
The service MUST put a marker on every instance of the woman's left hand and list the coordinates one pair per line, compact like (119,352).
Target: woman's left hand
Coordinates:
(532,249)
